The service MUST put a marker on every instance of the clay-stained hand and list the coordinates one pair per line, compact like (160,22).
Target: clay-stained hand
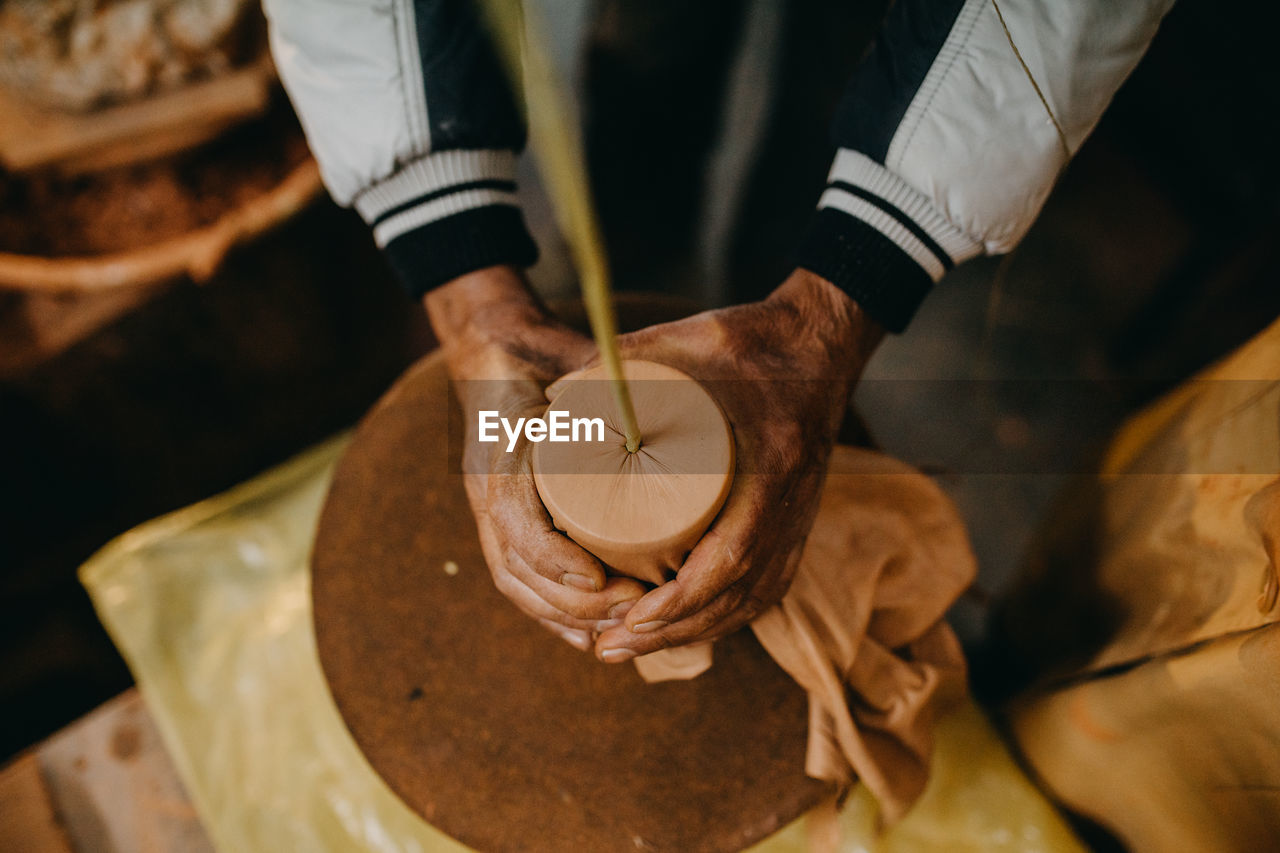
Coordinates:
(503,350)
(782,371)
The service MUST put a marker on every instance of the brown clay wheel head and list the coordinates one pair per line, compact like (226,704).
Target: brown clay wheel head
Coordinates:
(641,512)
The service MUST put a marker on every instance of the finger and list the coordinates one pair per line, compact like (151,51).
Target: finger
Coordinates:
(580,640)
(554,389)
(723,615)
(522,521)
(578,603)
(683,344)
(490,544)
(534,605)
(543,351)
(719,559)
(513,589)
(742,602)
(565,596)
(572,349)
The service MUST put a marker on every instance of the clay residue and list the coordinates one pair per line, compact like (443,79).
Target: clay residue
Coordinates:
(126,742)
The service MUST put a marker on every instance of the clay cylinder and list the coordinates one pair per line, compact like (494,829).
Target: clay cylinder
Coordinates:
(641,512)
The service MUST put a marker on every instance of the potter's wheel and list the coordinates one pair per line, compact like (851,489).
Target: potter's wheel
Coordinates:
(492,729)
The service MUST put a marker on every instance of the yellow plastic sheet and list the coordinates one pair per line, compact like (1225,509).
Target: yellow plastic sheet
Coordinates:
(1168,733)
(211,608)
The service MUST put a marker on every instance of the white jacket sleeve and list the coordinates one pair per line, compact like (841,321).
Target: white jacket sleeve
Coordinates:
(954,130)
(414,123)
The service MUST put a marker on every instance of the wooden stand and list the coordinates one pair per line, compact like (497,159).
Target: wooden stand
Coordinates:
(491,728)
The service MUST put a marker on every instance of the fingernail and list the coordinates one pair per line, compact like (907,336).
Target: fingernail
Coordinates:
(605,624)
(578,581)
(616,655)
(651,625)
(578,641)
(622,608)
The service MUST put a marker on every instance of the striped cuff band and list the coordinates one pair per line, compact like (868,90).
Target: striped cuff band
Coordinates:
(867,191)
(867,265)
(488,236)
(880,240)
(448,214)
(436,187)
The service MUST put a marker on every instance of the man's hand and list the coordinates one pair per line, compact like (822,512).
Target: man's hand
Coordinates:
(503,351)
(782,370)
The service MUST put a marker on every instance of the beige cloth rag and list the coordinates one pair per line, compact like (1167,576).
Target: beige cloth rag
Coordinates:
(862,630)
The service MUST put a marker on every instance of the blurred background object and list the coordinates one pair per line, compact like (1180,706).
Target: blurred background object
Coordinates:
(144,145)
(83,54)
(86,84)
(140,141)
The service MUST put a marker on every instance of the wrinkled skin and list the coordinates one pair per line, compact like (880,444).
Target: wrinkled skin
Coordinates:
(503,350)
(781,370)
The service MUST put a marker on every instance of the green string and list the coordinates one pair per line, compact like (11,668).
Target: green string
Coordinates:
(557,142)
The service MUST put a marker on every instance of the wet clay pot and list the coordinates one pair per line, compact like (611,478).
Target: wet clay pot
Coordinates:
(640,512)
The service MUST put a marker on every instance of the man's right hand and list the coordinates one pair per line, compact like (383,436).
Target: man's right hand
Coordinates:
(503,349)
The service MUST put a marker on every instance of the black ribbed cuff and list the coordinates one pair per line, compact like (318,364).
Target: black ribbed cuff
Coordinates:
(865,264)
(444,249)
